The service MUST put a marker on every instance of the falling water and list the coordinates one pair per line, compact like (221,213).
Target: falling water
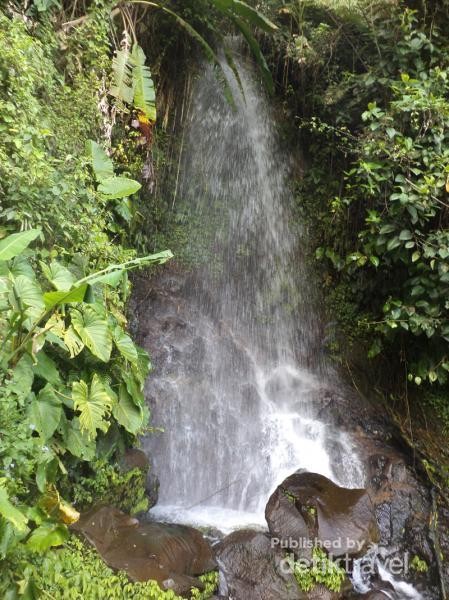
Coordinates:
(244,375)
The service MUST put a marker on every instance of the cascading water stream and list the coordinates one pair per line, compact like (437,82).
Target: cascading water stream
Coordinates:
(244,375)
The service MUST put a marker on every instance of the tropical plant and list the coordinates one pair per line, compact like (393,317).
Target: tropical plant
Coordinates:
(50,317)
(132,83)
(244,17)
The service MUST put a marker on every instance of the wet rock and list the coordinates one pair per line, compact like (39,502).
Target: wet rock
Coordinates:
(152,488)
(134,459)
(250,568)
(170,554)
(308,506)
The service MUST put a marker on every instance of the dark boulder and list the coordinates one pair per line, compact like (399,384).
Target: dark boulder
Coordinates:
(134,458)
(308,507)
(172,555)
(251,568)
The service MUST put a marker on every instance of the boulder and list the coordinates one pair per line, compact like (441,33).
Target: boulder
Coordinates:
(172,555)
(250,568)
(309,509)
(134,458)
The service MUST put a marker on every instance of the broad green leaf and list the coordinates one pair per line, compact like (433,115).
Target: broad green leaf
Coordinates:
(125,345)
(118,187)
(46,473)
(93,404)
(45,412)
(78,443)
(143,366)
(10,512)
(144,94)
(405,235)
(101,163)
(126,413)
(94,332)
(48,534)
(72,342)
(7,537)
(15,244)
(74,296)
(58,275)
(45,368)
(121,69)
(23,376)
(134,387)
(28,292)
(389,228)
(393,243)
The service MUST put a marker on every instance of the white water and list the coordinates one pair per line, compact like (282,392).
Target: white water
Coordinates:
(244,376)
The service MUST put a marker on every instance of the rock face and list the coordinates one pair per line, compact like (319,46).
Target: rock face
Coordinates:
(308,507)
(170,554)
(252,569)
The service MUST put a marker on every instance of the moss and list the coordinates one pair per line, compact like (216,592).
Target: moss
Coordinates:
(321,570)
(419,565)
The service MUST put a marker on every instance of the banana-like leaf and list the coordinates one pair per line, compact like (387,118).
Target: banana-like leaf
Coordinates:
(122,78)
(94,332)
(118,187)
(258,54)
(242,9)
(101,163)
(15,244)
(143,86)
(107,275)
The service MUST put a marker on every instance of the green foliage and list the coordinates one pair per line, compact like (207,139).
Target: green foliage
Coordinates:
(41,338)
(71,378)
(106,483)
(321,570)
(132,82)
(210,581)
(75,572)
(374,116)
(243,16)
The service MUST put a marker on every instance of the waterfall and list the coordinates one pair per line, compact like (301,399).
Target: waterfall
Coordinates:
(244,375)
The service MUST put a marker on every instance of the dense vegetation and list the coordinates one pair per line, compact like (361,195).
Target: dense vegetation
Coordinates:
(77,124)
(367,85)
(364,88)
